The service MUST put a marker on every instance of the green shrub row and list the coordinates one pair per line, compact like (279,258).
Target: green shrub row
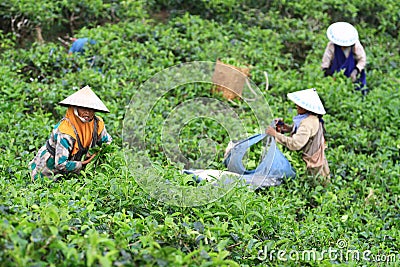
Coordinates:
(104,218)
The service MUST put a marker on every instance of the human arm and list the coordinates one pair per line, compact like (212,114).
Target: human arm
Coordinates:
(327,58)
(361,60)
(297,140)
(89,158)
(282,127)
(360,56)
(104,137)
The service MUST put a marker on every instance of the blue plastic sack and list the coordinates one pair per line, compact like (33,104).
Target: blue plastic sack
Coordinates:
(273,165)
(215,176)
(273,168)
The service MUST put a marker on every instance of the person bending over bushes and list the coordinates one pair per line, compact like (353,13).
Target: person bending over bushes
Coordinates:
(72,137)
(345,52)
(306,133)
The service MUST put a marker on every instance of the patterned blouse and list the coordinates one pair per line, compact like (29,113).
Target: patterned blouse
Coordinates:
(45,164)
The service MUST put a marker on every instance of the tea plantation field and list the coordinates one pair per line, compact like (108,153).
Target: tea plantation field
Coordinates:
(106,217)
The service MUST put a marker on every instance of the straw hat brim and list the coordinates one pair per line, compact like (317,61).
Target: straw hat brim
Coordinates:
(309,100)
(342,33)
(85,98)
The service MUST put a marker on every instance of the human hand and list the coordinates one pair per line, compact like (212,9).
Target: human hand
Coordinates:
(89,158)
(281,127)
(353,75)
(327,72)
(279,124)
(286,128)
(276,120)
(270,131)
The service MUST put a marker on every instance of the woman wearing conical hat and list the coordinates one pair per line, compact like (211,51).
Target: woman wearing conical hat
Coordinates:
(345,52)
(72,137)
(306,133)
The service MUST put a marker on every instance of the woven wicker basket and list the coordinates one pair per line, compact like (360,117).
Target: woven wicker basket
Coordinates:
(229,80)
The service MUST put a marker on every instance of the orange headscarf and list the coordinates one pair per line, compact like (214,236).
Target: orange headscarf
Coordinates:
(84,130)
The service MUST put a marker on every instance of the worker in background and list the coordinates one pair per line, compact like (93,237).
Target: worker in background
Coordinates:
(345,52)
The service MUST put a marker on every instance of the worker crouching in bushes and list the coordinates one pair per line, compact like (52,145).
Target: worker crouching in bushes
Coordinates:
(306,133)
(72,137)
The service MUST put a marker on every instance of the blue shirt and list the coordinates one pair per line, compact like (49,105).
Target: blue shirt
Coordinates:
(79,45)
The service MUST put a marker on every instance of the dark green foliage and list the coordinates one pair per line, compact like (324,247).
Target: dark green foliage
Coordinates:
(25,19)
(102,217)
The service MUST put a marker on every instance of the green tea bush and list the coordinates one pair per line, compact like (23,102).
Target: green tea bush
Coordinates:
(103,217)
(42,20)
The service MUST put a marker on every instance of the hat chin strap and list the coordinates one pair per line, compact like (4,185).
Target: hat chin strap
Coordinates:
(82,119)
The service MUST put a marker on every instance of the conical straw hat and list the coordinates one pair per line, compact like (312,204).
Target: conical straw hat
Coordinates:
(342,33)
(85,98)
(309,100)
